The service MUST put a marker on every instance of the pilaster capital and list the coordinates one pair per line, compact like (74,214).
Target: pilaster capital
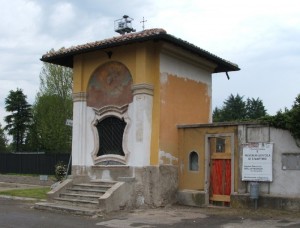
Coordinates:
(80,96)
(142,88)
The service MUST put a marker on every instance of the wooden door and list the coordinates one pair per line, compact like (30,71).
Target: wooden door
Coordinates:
(220,171)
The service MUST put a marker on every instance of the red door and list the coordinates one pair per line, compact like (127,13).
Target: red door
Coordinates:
(220,171)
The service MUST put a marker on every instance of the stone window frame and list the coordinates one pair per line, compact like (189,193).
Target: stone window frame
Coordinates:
(100,114)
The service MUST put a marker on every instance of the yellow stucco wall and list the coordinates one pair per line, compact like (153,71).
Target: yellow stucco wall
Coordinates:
(193,139)
(176,100)
(183,101)
(140,59)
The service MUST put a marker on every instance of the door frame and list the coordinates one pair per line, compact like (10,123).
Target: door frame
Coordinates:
(208,160)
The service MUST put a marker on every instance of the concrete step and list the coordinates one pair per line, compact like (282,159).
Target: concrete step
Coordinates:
(93,186)
(67,209)
(79,196)
(104,182)
(81,199)
(77,202)
(79,190)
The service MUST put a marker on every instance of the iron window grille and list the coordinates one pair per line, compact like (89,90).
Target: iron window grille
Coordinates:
(110,131)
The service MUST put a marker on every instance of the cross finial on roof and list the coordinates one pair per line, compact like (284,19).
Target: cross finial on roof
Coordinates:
(143,21)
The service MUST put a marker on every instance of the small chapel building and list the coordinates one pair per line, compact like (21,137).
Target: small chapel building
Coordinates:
(131,92)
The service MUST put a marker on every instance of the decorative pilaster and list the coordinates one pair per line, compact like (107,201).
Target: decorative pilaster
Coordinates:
(142,124)
(79,131)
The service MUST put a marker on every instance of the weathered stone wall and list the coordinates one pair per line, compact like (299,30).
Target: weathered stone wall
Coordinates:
(265,201)
(191,198)
(155,185)
(152,186)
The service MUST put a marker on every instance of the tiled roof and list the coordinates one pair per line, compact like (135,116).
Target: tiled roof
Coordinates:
(64,56)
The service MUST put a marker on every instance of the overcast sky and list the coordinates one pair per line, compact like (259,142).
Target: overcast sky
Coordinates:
(261,36)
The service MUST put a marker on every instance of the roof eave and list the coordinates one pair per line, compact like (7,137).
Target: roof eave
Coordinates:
(66,59)
(223,65)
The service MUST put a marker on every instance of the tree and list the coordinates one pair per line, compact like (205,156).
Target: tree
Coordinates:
(235,108)
(287,119)
(255,109)
(217,115)
(53,105)
(294,120)
(19,120)
(51,133)
(3,141)
(56,80)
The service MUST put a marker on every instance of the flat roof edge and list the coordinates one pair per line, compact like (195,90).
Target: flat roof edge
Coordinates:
(219,124)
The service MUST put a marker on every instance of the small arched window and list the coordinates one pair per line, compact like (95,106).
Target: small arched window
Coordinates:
(193,161)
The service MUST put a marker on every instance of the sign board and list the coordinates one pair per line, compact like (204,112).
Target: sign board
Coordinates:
(43,177)
(257,162)
(69,122)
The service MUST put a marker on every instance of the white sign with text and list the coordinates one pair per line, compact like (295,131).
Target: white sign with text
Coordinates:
(257,162)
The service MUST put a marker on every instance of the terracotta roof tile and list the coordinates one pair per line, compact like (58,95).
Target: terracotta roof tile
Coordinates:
(64,56)
(114,40)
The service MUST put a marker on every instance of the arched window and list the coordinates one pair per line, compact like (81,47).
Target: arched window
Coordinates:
(110,132)
(193,161)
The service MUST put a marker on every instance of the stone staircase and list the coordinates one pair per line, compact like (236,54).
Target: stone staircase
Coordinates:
(79,199)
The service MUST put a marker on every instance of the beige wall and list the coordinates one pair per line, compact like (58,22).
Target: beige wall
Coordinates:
(193,139)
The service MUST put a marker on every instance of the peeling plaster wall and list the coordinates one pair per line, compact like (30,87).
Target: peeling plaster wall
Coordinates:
(166,158)
(185,98)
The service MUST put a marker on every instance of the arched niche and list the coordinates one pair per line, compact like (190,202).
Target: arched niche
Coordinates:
(193,161)
(110,84)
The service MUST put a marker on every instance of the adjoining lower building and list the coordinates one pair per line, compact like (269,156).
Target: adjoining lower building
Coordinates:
(236,164)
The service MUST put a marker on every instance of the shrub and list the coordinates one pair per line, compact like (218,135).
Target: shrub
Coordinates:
(60,171)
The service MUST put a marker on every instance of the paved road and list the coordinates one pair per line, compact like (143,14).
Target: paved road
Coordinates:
(19,214)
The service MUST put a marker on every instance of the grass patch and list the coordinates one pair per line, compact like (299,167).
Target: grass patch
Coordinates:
(37,193)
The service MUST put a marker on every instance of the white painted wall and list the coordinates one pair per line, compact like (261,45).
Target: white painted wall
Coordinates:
(183,69)
(285,182)
(137,139)
(82,138)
